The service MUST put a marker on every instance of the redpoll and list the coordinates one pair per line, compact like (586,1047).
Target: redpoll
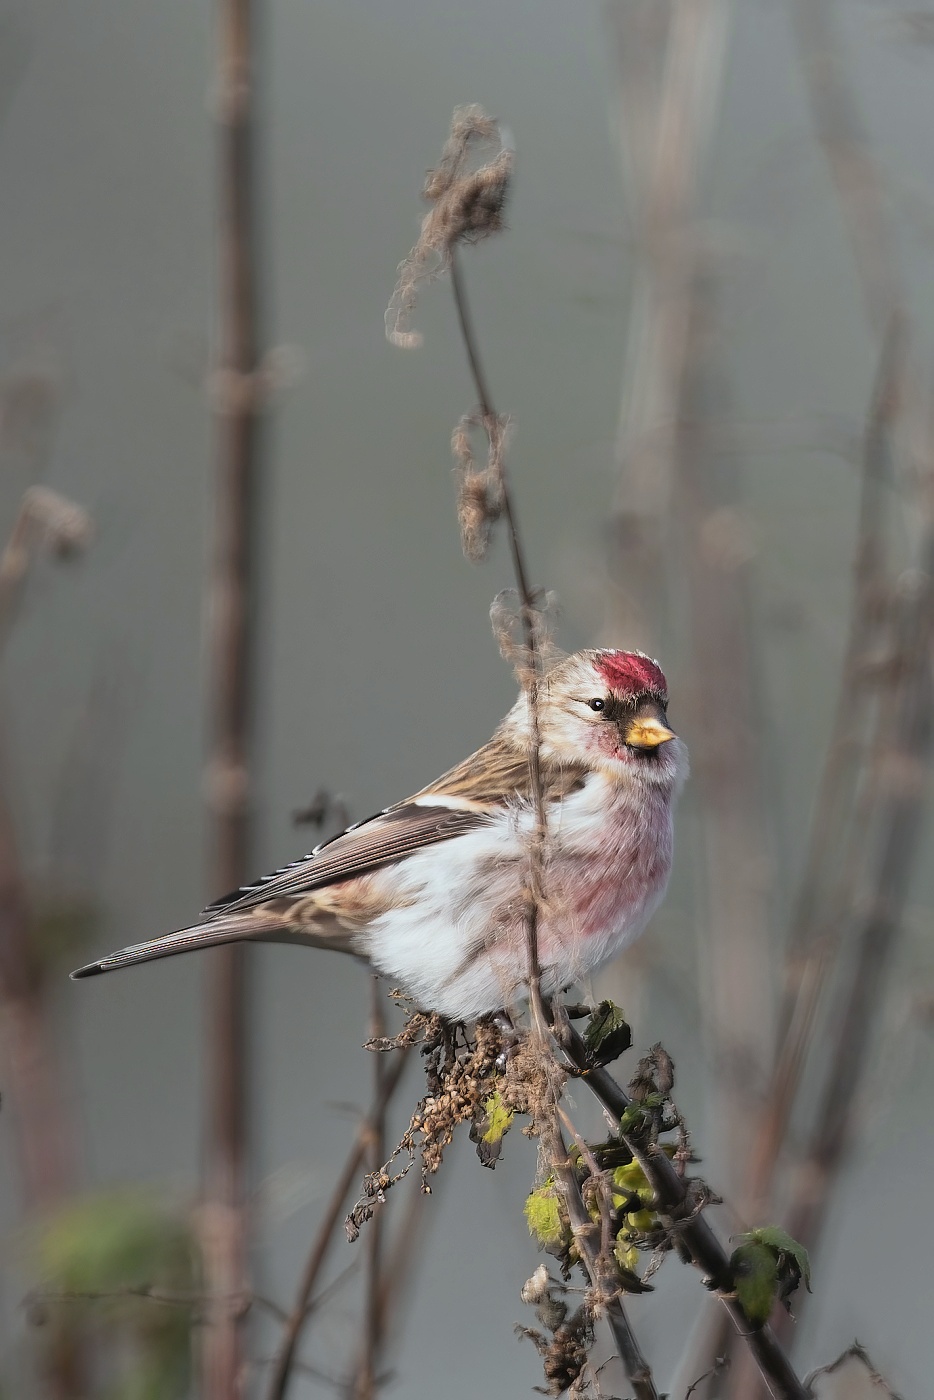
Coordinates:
(431,891)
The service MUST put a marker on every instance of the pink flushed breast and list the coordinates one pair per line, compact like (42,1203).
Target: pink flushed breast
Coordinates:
(616,896)
(606,892)
(629,673)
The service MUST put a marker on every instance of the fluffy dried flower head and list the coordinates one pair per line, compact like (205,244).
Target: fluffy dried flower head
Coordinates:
(506,619)
(467,192)
(480,495)
(564,1355)
(535,1288)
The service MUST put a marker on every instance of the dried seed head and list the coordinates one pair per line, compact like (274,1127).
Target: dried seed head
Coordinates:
(535,1288)
(509,628)
(480,495)
(467,192)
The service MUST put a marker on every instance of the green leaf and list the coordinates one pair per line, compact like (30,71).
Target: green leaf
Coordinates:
(631,1180)
(610,1154)
(543,1214)
(498,1117)
(607,1034)
(781,1243)
(627,1256)
(755,1278)
(489,1129)
(638,1115)
(792,1266)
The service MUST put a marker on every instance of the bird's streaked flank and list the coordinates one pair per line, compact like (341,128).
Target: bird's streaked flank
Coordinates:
(431,891)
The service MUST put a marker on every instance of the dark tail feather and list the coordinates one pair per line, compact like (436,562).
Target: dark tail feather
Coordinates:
(232,929)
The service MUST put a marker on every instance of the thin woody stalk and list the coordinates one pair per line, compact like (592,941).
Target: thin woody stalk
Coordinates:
(700,1244)
(440,233)
(860,188)
(365,1382)
(813,944)
(44,1131)
(43,1127)
(533,662)
(231,612)
(45,1136)
(285,1358)
(901,782)
(598,1264)
(600,1269)
(671,63)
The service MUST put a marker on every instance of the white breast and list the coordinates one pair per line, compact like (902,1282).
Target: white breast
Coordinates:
(456,939)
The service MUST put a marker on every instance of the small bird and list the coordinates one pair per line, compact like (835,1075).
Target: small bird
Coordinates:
(431,892)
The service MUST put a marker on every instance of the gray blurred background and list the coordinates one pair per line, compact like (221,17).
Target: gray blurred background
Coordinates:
(378,668)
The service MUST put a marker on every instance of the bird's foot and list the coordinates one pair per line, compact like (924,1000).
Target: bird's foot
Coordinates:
(510,1034)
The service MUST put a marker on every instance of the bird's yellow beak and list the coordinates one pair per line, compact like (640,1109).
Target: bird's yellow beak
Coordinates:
(647,733)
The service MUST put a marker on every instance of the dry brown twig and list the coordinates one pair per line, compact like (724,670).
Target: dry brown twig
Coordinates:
(45,1139)
(897,448)
(858,1353)
(285,1359)
(485,496)
(816,929)
(364,1385)
(671,62)
(721,1364)
(838,848)
(467,196)
(898,630)
(604,1295)
(842,825)
(898,791)
(238,404)
(467,204)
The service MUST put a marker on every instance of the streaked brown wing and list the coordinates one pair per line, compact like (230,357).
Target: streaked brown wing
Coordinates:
(500,770)
(489,778)
(389,836)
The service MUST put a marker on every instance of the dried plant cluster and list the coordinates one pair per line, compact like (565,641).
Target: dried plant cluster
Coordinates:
(467,195)
(564,1344)
(597,1207)
(490,1075)
(484,1075)
(480,489)
(460,1073)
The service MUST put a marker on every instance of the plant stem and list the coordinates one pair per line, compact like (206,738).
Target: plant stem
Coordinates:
(533,668)
(231,621)
(284,1362)
(700,1243)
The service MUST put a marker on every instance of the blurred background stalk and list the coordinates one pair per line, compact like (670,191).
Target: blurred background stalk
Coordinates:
(232,623)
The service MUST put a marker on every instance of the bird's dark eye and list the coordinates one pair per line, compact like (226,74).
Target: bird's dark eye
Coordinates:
(597,704)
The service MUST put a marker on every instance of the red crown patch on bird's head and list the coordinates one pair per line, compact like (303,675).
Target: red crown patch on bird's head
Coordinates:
(631,673)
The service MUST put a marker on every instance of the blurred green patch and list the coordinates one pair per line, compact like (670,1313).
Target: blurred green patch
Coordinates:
(119,1281)
(768,1266)
(61,927)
